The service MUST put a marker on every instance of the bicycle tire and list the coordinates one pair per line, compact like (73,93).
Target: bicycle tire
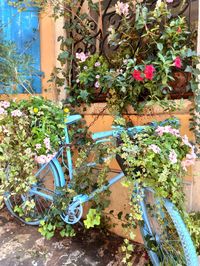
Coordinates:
(42,205)
(183,252)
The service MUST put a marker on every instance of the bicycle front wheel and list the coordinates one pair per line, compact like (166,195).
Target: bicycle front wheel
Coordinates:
(40,196)
(165,235)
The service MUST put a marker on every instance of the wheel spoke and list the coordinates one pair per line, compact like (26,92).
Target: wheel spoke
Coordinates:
(162,238)
(41,194)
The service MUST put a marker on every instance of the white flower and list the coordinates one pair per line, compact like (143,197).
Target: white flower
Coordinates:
(173,157)
(122,9)
(158,4)
(96,84)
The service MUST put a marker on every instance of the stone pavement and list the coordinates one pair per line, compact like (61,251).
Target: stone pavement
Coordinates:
(22,245)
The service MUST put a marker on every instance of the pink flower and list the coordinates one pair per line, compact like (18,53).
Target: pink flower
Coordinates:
(41,159)
(190,159)
(51,156)
(178,62)
(167,129)
(154,148)
(81,56)
(169,1)
(47,143)
(16,113)
(97,76)
(122,8)
(137,75)
(38,146)
(2,111)
(186,141)
(173,157)
(97,85)
(97,64)
(5,104)
(149,72)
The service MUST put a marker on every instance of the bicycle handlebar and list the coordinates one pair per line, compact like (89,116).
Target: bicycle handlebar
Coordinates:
(136,129)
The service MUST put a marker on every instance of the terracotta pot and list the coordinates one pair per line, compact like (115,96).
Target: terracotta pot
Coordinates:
(179,85)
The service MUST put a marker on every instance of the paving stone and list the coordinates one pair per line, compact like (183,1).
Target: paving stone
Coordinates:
(22,245)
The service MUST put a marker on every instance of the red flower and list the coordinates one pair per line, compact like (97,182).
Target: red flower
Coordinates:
(149,72)
(137,75)
(178,62)
(179,30)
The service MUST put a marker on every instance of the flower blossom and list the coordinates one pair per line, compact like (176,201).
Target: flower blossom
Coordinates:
(149,72)
(97,64)
(16,113)
(178,62)
(186,141)
(137,75)
(38,146)
(97,85)
(169,1)
(179,30)
(97,76)
(42,159)
(5,104)
(2,111)
(47,143)
(122,9)
(81,56)
(154,148)
(189,160)
(173,157)
(167,129)
(5,130)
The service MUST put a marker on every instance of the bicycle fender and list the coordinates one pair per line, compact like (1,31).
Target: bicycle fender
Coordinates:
(59,171)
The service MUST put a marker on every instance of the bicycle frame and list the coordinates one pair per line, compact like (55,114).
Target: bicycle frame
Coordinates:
(98,137)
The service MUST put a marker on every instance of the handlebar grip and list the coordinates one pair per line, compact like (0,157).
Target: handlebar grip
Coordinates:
(103,134)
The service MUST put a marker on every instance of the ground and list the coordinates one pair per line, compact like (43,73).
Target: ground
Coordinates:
(22,245)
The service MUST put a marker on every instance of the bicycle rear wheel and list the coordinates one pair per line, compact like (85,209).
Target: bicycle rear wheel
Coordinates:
(40,196)
(165,235)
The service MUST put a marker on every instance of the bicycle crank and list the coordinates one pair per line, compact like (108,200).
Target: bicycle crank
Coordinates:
(73,213)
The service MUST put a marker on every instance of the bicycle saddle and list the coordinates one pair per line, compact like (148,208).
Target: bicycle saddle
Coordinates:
(72,119)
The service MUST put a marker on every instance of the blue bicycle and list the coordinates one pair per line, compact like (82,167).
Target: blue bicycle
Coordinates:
(165,235)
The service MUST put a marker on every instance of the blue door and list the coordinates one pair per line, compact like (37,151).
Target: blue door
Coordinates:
(22,28)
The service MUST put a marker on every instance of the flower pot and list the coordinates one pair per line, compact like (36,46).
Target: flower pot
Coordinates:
(179,85)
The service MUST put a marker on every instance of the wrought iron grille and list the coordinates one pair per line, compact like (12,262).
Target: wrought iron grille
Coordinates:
(100,20)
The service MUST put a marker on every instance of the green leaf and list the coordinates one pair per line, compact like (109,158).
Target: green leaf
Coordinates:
(160,46)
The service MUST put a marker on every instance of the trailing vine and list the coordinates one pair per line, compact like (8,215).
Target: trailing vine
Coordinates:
(158,156)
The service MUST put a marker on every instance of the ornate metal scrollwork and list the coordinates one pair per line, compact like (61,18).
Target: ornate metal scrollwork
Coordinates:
(95,38)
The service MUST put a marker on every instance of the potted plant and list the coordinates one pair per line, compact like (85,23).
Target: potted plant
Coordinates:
(155,50)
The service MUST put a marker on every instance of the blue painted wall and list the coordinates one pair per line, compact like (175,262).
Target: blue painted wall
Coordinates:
(23,29)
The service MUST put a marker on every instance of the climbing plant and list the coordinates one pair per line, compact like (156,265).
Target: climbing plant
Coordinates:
(138,73)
